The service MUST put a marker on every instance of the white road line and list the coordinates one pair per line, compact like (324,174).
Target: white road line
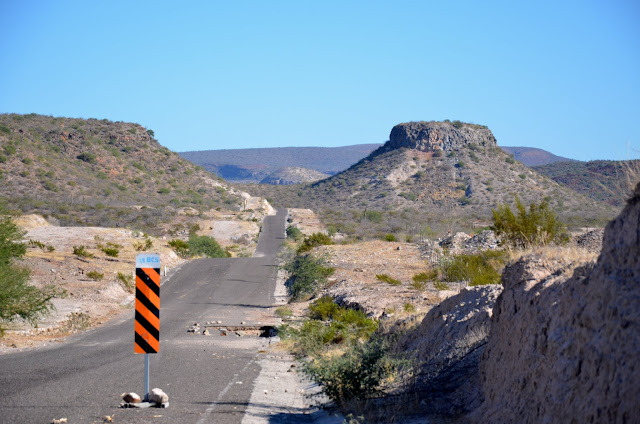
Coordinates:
(212,406)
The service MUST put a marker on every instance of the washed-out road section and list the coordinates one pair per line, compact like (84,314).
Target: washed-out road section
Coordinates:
(207,378)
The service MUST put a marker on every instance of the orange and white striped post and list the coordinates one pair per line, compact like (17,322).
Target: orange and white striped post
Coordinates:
(147,317)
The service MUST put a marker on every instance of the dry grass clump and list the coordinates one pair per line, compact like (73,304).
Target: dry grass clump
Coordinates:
(567,256)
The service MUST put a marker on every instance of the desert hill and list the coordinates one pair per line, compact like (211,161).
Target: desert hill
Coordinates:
(437,168)
(253,165)
(293,175)
(98,172)
(603,180)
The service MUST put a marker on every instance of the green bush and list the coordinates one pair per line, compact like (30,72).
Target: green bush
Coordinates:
(314,240)
(127,281)
(420,280)
(390,237)
(477,269)
(409,308)
(387,279)
(358,374)
(143,246)
(373,216)
(206,246)
(294,233)
(181,247)
(111,251)
(440,285)
(17,297)
(323,309)
(536,227)
(81,252)
(283,312)
(95,275)
(306,275)
(87,157)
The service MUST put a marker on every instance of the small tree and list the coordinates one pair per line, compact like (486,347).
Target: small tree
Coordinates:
(307,274)
(18,299)
(536,227)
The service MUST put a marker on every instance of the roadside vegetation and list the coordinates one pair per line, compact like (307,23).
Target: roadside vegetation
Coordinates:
(18,299)
(198,246)
(346,352)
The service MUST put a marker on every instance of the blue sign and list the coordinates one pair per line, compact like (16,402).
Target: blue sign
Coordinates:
(148,260)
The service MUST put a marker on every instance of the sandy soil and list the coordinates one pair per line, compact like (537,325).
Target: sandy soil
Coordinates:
(355,283)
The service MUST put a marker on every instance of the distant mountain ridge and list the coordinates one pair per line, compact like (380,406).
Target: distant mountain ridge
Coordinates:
(532,156)
(253,165)
(603,180)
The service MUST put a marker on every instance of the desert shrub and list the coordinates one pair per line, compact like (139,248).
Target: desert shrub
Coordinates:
(294,233)
(143,246)
(345,327)
(82,252)
(87,157)
(111,249)
(390,237)
(534,227)
(510,160)
(408,196)
(181,247)
(409,308)
(373,216)
(283,312)
(306,275)
(457,124)
(420,280)
(323,309)
(127,281)
(477,269)
(19,299)
(206,246)
(357,374)
(5,130)
(387,279)
(95,275)
(440,285)
(314,240)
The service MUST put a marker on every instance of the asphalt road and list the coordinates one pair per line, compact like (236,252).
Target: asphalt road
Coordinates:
(208,378)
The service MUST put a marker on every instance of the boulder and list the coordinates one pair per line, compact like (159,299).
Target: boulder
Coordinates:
(446,349)
(158,396)
(131,397)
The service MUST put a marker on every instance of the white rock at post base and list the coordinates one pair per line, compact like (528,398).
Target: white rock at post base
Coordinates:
(158,396)
(131,397)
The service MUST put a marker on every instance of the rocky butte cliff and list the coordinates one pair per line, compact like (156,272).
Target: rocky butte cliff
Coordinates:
(432,136)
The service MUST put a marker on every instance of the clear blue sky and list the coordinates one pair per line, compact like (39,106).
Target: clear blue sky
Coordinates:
(559,75)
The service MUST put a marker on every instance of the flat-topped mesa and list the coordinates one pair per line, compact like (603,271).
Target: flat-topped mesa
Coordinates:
(432,136)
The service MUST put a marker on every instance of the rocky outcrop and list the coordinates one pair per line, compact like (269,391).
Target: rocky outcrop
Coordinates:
(432,136)
(564,342)
(293,175)
(446,348)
